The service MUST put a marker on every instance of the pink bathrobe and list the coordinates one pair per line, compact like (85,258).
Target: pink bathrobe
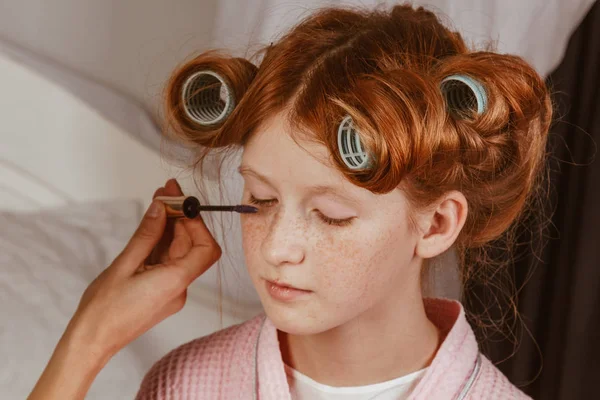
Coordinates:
(238,362)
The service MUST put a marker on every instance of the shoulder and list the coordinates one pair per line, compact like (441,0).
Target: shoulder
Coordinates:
(203,365)
(491,383)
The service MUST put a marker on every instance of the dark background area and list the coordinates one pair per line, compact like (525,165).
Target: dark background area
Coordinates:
(555,353)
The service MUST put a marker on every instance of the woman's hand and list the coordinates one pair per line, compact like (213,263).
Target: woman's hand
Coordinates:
(145,284)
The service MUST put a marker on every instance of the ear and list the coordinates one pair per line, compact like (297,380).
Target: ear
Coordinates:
(442,225)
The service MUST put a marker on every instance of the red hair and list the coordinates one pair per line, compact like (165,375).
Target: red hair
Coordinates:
(384,69)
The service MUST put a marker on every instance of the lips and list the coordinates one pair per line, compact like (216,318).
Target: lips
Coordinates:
(285,285)
(285,293)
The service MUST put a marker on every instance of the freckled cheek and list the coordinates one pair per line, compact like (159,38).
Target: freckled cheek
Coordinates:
(343,264)
(254,231)
(355,267)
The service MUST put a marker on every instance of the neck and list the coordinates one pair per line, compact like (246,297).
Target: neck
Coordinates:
(383,343)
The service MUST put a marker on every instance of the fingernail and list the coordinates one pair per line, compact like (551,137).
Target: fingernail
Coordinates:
(154,209)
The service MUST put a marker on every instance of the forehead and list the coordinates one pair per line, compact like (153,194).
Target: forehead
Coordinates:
(272,151)
(300,166)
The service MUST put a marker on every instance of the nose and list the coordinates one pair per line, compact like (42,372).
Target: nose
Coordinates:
(284,244)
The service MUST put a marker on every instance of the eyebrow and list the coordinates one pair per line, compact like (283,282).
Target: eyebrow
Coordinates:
(317,190)
(245,170)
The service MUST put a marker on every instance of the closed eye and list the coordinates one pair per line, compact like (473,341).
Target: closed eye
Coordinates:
(262,202)
(333,221)
(322,217)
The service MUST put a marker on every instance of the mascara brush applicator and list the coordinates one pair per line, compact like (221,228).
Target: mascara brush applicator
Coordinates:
(190,207)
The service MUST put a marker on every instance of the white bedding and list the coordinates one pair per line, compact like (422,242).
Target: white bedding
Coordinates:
(55,149)
(48,258)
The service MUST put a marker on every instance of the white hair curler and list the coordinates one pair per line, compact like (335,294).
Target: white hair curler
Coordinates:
(350,146)
(207,98)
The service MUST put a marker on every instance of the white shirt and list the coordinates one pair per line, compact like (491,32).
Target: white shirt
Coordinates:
(304,388)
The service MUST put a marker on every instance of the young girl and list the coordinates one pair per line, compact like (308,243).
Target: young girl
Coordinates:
(373,141)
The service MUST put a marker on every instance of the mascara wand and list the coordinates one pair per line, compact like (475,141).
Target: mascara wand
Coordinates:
(190,207)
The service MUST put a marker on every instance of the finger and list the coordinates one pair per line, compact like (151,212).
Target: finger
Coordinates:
(182,242)
(144,239)
(198,231)
(159,192)
(172,188)
(152,258)
(160,252)
(204,252)
(197,261)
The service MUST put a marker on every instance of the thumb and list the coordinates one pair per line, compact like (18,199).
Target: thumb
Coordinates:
(145,238)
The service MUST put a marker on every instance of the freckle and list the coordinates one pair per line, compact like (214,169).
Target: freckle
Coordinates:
(252,229)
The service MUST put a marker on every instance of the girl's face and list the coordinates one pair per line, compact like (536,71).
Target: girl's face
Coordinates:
(349,250)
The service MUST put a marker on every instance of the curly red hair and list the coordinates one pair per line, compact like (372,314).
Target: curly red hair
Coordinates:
(384,69)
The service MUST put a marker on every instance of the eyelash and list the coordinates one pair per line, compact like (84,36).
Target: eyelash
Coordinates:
(325,219)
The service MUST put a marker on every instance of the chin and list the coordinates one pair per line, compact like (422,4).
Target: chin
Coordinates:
(293,326)
(296,319)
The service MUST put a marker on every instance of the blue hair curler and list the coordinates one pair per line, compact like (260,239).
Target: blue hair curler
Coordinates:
(464,95)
